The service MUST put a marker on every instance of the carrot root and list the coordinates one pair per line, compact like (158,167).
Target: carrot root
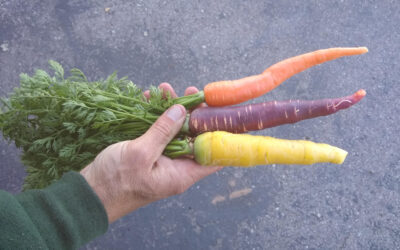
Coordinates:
(226,149)
(230,92)
(239,119)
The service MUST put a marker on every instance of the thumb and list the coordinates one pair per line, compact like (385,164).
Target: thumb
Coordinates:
(164,129)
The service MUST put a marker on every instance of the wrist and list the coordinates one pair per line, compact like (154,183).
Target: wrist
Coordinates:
(98,190)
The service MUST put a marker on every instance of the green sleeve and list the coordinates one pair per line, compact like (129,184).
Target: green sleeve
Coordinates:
(65,215)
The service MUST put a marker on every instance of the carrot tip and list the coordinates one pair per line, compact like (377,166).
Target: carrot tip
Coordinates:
(363,50)
(361,93)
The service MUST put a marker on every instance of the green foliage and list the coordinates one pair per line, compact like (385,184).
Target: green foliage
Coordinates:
(61,124)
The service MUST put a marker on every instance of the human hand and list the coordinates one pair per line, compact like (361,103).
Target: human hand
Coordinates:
(131,174)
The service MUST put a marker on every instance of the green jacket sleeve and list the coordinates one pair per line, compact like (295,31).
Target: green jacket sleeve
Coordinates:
(65,215)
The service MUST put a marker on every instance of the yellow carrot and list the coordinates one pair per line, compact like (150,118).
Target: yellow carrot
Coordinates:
(225,149)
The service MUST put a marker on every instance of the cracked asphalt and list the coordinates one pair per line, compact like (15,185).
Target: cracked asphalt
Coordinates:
(324,206)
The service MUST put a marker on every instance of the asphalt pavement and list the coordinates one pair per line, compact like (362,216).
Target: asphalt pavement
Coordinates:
(324,206)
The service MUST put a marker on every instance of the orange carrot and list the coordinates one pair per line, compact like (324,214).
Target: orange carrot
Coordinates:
(224,93)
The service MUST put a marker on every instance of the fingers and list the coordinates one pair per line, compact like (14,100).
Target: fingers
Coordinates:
(191,172)
(166,88)
(147,94)
(198,172)
(163,130)
(191,90)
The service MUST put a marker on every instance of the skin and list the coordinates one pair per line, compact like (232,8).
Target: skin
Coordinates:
(131,174)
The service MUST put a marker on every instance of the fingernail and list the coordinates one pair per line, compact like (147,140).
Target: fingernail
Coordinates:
(175,112)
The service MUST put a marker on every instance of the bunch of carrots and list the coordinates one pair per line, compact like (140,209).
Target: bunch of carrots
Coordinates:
(60,122)
(227,147)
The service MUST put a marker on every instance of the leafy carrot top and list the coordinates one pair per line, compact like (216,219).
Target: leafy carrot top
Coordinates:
(61,124)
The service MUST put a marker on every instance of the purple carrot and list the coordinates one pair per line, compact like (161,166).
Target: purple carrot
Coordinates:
(239,119)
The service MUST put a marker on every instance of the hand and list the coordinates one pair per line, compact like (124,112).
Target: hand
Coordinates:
(131,174)
(167,88)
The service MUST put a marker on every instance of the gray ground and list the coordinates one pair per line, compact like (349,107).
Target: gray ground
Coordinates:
(353,206)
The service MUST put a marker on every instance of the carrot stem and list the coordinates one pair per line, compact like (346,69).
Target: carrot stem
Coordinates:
(190,101)
(177,148)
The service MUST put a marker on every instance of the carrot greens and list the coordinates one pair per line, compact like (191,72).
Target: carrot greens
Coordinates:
(61,124)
